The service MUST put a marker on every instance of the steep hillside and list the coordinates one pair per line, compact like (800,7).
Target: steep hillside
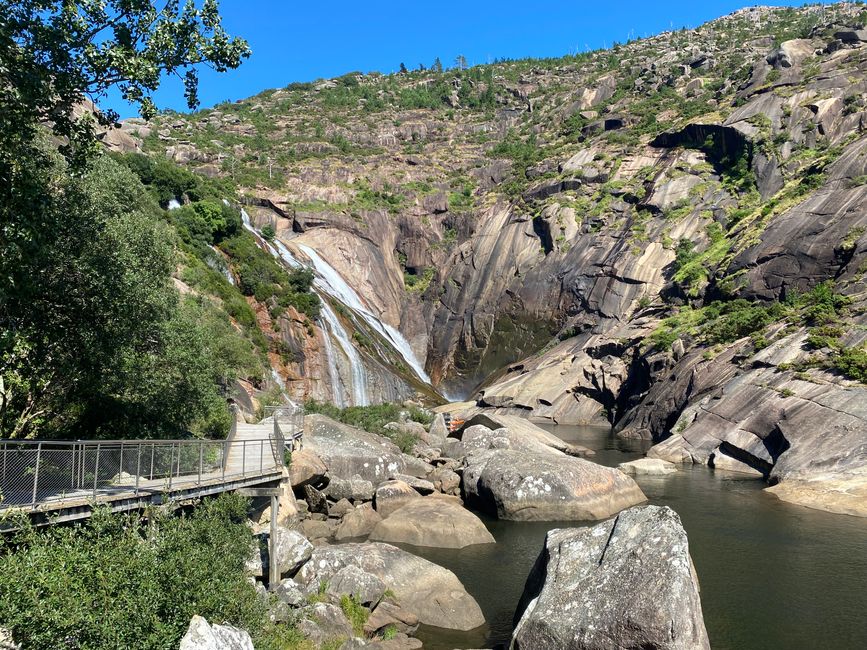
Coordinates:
(668,236)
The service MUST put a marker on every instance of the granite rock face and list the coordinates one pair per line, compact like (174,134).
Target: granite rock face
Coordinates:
(433,594)
(625,583)
(437,521)
(526,487)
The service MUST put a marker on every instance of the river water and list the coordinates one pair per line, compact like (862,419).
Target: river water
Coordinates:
(772,575)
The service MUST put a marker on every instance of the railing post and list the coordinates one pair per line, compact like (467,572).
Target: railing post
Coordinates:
(153,450)
(273,568)
(96,469)
(171,463)
(243,458)
(137,467)
(120,462)
(36,473)
(200,463)
(224,460)
(261,455)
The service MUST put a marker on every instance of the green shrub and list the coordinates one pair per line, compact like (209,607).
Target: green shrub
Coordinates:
(852,363)
(374,418)
(355,612)
(130,581)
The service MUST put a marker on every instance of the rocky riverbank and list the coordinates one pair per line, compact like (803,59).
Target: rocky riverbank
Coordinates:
(352,494)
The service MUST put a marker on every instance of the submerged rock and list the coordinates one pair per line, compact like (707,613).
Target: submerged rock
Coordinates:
(528,487)
(647,467)
(437,521)
(430,592)
(624,583)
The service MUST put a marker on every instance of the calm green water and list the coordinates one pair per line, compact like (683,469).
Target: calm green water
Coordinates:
(772,575)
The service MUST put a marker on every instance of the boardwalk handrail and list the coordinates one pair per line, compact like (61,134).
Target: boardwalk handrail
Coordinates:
(34,473)
(288,422)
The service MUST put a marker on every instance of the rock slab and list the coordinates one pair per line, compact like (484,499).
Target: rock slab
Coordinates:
(526,487)
(625,583)
(201,635)
(437,521)
(430,592)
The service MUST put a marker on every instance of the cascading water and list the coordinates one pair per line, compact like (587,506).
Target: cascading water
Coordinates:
(356,365)
(331,326)
(332,283)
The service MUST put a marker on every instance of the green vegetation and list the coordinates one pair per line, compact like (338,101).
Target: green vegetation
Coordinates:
(717,323)
(355,612)
(94,338)
(260,276)
(133,581)
(374,419)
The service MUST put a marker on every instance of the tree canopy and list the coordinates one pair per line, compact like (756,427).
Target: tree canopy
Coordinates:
(56,53)
(95,340)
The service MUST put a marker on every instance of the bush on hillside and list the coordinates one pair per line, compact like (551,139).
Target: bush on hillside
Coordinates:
(132,581)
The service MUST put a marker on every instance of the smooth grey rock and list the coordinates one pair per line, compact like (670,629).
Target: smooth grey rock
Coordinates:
(625,583)
(355,489)
(306,467)
(647,467)
(437,520)
(389,613)
(358,523)
(438,429)
(292,548)
(340,508)
(201,635)
(420,485)
(354,581)
(528,487)
(432,593)
(348,452)
(391,495)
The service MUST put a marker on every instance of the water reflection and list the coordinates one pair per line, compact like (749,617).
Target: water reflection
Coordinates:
(772,575)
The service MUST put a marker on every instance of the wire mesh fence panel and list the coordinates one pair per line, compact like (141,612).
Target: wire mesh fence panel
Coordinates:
(33,472)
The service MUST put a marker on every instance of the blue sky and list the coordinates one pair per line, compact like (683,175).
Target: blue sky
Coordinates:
(302,41)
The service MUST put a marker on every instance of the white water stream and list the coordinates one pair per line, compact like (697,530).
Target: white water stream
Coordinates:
(332,327)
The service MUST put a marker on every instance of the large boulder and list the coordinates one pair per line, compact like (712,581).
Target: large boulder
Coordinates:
(647,467)
(432,593)
(358,523)
(306,467)
(354,488)
(201,635)
(625,583)
(349,452)
(392,495)
(436,520)
(292,550)
(533,487)
(519,433)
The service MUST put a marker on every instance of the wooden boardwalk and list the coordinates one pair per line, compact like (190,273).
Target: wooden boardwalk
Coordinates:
(57,481)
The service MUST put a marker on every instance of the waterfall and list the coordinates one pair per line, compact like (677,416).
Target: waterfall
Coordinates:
(332,283)
(173,204)
(332,327)
(359,374)
(336,390)
(221,265)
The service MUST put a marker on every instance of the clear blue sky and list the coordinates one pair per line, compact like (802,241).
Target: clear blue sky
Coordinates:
(302,41)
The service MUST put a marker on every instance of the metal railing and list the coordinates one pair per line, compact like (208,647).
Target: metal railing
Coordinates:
(288,425)
(39,472)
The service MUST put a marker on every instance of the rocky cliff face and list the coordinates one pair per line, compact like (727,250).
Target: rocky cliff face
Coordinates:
(632,236)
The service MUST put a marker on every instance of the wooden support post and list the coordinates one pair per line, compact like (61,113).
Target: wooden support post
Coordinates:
(273,568)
